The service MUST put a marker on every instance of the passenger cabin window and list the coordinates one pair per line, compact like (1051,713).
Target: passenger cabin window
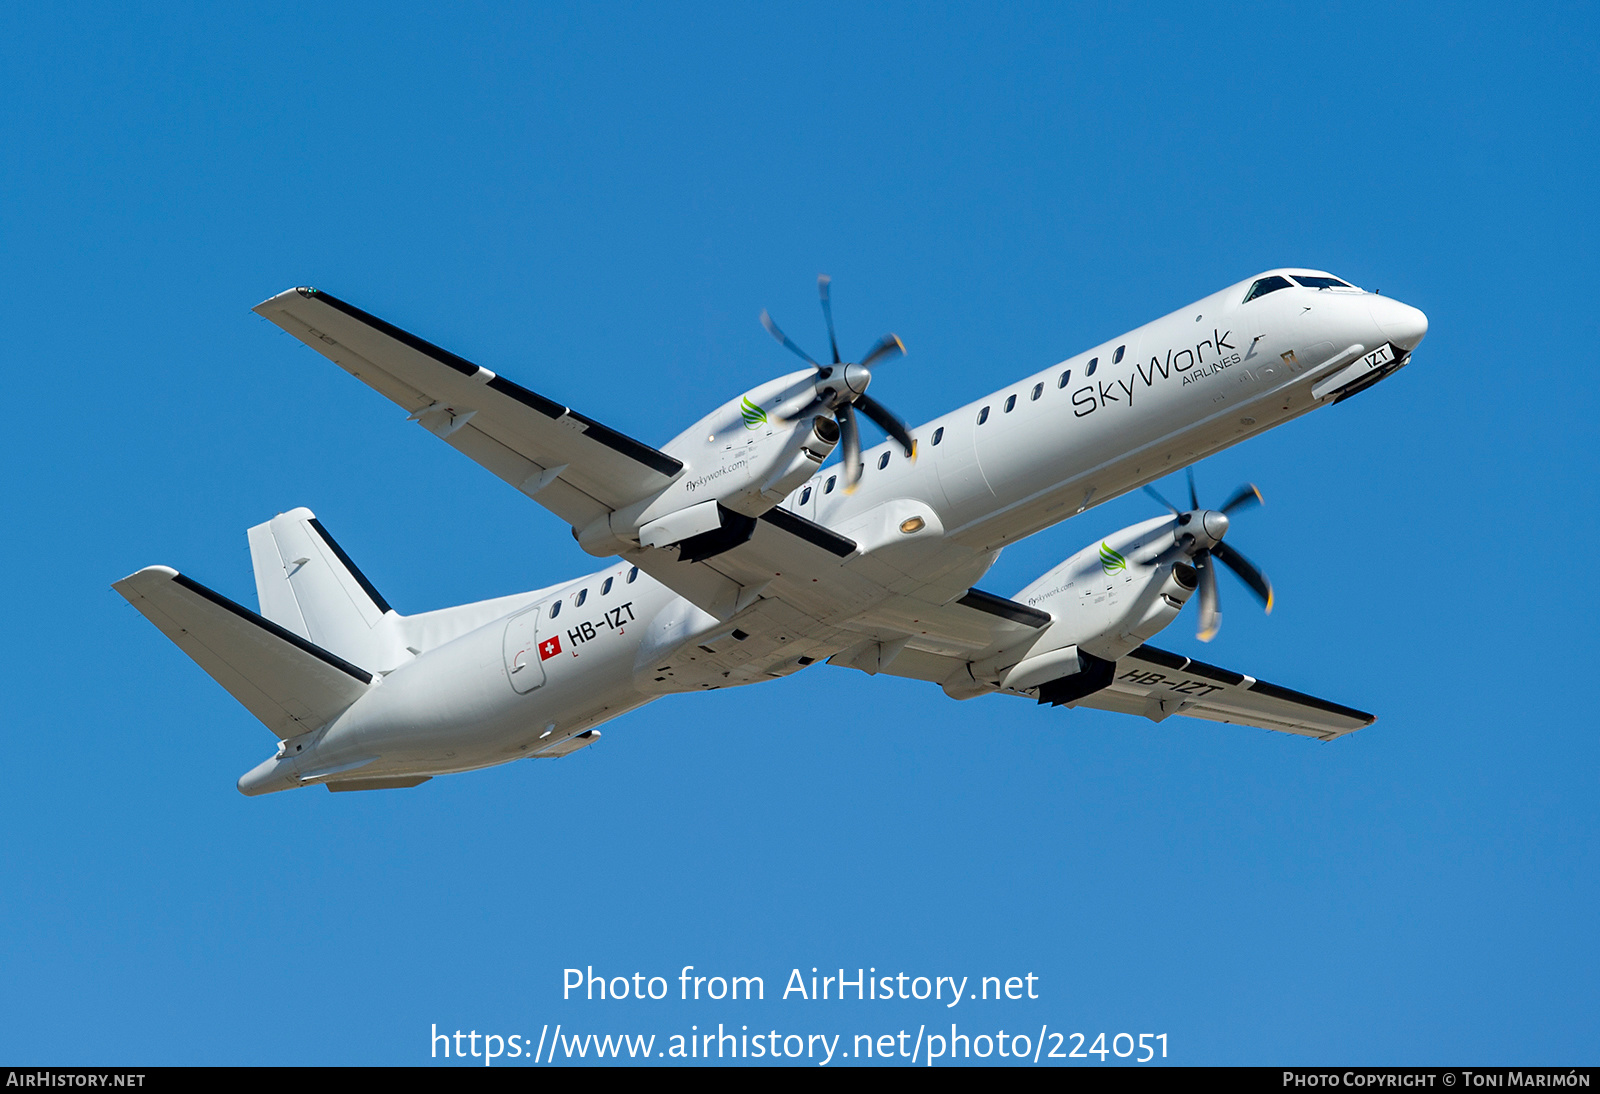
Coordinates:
(1117,356)
(983,415)
(1038,390)
(633,573)
(883,461)
(1266,285)
(606,588)
(1011,401)
(805,495)
(1321,282)
(828,487)
(938,435)
(1065,377)
(555,609)
(1093,361)
(577,601)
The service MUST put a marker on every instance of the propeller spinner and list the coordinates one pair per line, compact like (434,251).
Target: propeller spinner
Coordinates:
(1199,537)
(842,388)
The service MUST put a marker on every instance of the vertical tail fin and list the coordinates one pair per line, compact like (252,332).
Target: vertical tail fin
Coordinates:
(306,584)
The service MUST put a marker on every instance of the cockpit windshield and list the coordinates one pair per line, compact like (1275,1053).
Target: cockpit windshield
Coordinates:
(1311,282)
(1266,285)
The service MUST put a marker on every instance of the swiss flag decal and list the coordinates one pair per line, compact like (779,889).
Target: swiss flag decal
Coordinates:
(549,648)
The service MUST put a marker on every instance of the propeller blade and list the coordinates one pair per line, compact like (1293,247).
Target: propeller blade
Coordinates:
(783,340)
(850,441)
(1152,492)
(1243,498)
(886,422)
(888,346)
(1194,499)
(1248,572)
(1210,611)
(823,281)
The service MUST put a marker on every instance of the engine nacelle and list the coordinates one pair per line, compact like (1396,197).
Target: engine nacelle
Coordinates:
(739,461)
(1106,600)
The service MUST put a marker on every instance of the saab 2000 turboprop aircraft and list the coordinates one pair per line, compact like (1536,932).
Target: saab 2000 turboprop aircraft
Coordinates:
(740,558)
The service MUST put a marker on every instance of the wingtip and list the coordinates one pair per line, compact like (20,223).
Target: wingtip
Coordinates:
(305,292)
(147,578)
(148,572)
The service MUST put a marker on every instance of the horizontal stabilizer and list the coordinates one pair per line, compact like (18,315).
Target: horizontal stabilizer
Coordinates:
(291,684)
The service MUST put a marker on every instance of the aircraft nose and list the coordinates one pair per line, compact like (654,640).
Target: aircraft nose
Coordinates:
(1402,324)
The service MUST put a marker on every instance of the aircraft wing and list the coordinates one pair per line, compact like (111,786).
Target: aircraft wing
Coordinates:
(1155,683)
(567,462)
(291,684)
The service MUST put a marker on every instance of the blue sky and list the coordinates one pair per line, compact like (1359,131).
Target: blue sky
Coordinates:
(598,203)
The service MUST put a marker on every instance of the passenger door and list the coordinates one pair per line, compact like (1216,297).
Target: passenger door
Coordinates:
(523,667)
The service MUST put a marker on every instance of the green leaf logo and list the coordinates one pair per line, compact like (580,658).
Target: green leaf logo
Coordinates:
(754,417)
(1110,561)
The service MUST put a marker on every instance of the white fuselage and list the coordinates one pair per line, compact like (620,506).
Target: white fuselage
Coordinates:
(1002,467)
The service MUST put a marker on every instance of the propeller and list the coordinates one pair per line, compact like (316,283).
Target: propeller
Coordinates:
(1198,536)
(842,388)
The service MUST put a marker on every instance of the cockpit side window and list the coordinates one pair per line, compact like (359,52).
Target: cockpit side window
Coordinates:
(1321,282)
(1266,285)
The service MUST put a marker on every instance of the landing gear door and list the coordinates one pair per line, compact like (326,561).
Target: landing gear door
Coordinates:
(522,650)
